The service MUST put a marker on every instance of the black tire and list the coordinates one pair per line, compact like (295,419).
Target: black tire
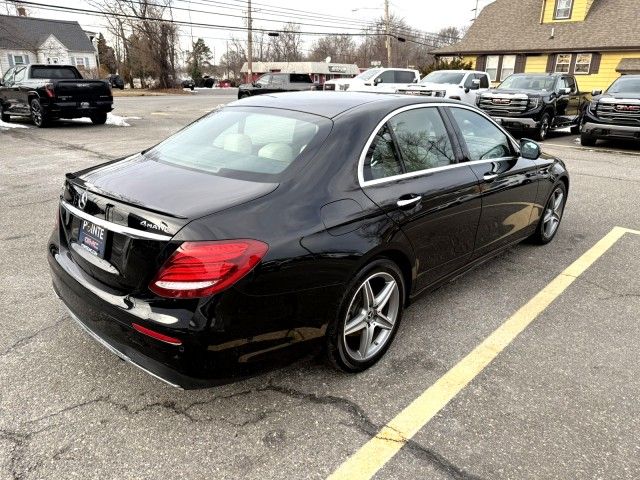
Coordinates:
(543,130)
(38,116)
(244,95)
(5,117)
(543,234)
(98,118)
(380,330)
(577,129)
(587,140)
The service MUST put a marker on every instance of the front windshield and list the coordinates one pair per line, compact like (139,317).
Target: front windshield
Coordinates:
(246,143)
(625,85)
(542,83)
(443,77)
(368,74)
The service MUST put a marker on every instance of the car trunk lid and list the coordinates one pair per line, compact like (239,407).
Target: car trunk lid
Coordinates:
(117,220)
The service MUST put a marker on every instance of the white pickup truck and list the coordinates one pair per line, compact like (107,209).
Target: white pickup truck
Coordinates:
(382,80)
(463,85)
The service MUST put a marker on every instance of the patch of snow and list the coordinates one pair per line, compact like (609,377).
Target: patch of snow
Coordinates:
(7,126)
(112,119)
(577,140)
(564,130)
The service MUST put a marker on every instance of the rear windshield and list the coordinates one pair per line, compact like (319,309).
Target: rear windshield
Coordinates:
(255,144)
(625,85)
(542,83)
(443,77)
(64,73)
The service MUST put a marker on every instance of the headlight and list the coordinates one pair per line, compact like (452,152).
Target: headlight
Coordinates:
(534,102)
(439,93)
(593,106)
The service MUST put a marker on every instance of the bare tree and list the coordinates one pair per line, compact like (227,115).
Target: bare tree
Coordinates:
(341,49)
(287,46)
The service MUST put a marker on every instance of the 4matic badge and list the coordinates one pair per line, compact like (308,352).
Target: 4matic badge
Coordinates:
(152,226)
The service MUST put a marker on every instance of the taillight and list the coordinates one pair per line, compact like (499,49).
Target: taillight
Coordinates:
(49,89)
(200,269)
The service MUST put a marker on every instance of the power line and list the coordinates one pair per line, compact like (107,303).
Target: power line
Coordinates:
(200,24)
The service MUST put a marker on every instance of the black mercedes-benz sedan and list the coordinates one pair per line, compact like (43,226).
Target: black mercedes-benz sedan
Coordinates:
(291,223)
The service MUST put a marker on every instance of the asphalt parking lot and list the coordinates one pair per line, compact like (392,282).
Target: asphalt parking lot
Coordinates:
(552,394)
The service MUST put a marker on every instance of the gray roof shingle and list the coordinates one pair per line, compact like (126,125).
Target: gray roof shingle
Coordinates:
(28,33)
(628,65)
(514,26)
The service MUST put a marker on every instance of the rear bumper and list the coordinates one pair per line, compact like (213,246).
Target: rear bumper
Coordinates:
(224,339)
(72,110)
(606,130)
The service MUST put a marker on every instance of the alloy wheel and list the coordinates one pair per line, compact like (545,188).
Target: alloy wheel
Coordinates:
(371,316)
(544,129)
(36,113)
(553,213)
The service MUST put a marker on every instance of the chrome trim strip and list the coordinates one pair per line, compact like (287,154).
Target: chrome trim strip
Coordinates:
(529,122)
(589,127)
(114,350)
(114,227)
(366,183)
(622,101)
(94,260)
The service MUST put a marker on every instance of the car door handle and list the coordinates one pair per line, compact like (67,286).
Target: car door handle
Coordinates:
(490,176)
(406,202)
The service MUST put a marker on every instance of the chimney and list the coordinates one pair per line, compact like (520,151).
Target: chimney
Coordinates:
(22,12)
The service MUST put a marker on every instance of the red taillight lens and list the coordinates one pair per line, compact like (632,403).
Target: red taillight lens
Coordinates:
(49,89)
(200,269)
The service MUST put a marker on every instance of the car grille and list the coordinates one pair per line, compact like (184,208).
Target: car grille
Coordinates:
(504,105)
(621,111)
(423,93)
(329,86)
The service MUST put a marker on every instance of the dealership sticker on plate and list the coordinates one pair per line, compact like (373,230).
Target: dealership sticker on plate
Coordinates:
(93,238)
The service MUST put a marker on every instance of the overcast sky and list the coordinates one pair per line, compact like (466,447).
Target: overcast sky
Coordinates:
(426,15)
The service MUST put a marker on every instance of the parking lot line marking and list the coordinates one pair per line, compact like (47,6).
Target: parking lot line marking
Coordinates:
(161,113)
(374,454)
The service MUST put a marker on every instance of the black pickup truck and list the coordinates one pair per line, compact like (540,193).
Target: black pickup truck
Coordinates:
(536,101)
(278,82)
(48,92)
(614,113)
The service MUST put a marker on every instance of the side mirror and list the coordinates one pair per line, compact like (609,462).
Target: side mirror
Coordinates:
(475,84)
(377,81)
(415,80)
(565,91)
(595,93)
(529,149)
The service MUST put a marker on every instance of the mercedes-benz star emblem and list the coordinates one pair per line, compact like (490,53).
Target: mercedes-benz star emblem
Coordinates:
(82,201)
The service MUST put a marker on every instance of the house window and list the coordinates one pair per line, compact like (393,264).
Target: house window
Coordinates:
(583,64)
(508,66)
(19,60)
(492,67)
(563,62)
(79,62)
(563,9)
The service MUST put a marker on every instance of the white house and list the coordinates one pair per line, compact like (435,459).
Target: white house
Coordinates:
(25,40)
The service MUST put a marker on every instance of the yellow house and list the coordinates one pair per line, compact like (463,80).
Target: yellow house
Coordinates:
(596,40)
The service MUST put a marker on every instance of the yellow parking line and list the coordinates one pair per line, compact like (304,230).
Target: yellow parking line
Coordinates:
(392,437)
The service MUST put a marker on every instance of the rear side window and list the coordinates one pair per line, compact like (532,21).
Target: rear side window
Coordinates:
(405,77)
(62,73)
(484,140)
(484,80)
(244,143)
(382,159)
(422,139)
(300,78)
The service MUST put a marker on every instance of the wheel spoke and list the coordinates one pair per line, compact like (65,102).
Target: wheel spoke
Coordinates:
(557,204)
(369,298)
(356,324)
(384,322)
(385,294)
(366,337)
(547,216)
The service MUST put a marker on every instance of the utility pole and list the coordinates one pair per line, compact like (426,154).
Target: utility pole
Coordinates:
(388,32)
(249,45)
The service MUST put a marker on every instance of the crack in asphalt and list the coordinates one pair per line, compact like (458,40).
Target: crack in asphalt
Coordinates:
(25,340)
(359,419)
